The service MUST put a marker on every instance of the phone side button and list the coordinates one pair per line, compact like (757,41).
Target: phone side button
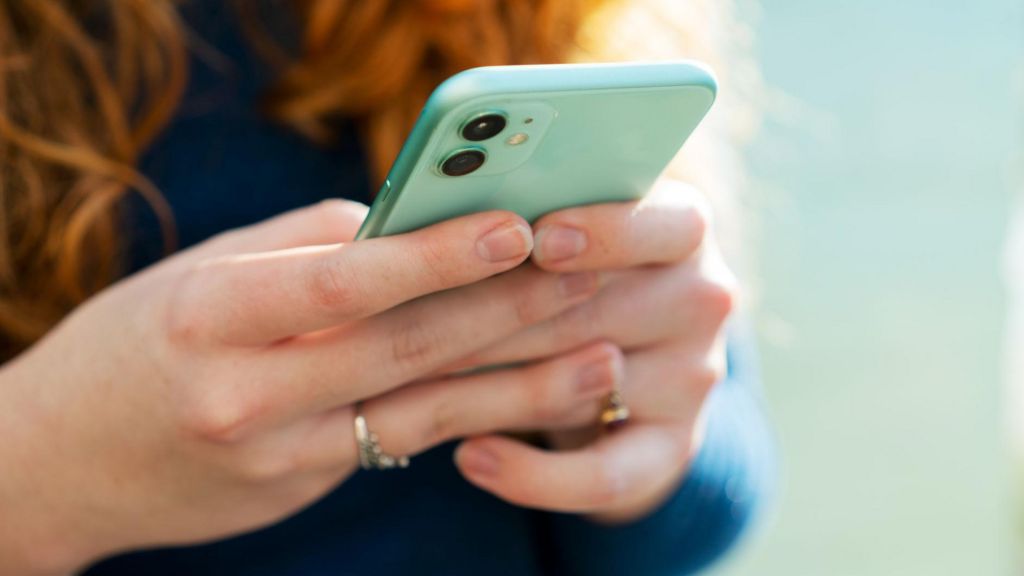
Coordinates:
(385,191)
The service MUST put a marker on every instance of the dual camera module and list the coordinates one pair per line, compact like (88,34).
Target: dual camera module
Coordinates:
(477,129)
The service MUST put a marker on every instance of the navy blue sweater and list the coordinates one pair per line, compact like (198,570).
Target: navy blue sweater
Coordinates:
(221,165)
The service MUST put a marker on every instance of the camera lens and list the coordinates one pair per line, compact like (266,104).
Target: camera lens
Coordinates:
(463,162)
(484,127)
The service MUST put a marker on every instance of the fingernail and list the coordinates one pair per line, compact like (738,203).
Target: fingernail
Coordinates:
(598,377)
(511,240)
(555,243)
(477,461)
(577,284)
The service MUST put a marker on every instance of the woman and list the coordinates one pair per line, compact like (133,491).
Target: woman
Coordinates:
(213,407)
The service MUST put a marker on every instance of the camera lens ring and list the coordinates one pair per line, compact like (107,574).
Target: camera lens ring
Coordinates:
(483,126)
(462,162)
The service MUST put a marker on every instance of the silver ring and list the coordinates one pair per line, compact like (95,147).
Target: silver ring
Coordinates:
(371,456)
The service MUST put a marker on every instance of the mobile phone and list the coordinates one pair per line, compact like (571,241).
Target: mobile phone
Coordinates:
(534,139)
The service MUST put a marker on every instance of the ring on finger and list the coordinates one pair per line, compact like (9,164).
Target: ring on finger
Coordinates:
(615,412)
(371,455)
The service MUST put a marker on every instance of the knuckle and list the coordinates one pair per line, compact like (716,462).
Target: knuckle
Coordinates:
(526,309)
(218,418)
(697,221)
(692,380)
(529,301)
(184,328)
(436,262)
(718,296)
(567,326)
(332,287)
(577,324)
(415,342)
(703,213)
(691,212)
(704,377)
(544,402)
(443,424)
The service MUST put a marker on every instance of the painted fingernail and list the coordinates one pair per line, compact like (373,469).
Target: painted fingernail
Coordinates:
(556,243)
(577,284)
(477,461)
(511,240)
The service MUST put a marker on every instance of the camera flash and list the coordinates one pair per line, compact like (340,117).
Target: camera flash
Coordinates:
(517,139)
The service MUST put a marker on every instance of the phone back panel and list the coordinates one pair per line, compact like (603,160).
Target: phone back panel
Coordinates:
(581,134)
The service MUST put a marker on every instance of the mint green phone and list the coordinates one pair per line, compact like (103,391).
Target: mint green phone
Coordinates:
(534,139)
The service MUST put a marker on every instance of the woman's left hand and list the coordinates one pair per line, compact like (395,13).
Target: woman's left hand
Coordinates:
(665,299)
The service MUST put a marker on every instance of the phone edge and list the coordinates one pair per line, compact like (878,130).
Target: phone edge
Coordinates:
(487,80)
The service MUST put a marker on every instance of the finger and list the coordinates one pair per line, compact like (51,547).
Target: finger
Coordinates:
(548,395)
(666,384)
(412,419)
(638,459)
(666,226)
(328,222)
(639,308)
(669,383)
(262,298)
(372,356)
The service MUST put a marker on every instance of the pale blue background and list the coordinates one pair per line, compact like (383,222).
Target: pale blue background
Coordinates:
(882,185)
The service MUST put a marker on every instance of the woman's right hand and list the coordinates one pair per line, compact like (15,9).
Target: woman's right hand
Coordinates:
(213,393)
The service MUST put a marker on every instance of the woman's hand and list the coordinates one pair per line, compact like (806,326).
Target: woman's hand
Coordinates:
(213,393)
(667,296)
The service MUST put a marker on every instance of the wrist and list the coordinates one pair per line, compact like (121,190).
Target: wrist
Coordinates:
(35,559)
(34,535)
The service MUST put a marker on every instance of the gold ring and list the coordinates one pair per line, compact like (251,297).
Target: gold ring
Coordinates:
(615,412)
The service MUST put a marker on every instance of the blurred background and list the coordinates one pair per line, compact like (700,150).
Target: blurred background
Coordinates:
(883,184)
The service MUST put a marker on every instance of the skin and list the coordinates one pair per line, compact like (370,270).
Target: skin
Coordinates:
(214,392)
(666,295)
